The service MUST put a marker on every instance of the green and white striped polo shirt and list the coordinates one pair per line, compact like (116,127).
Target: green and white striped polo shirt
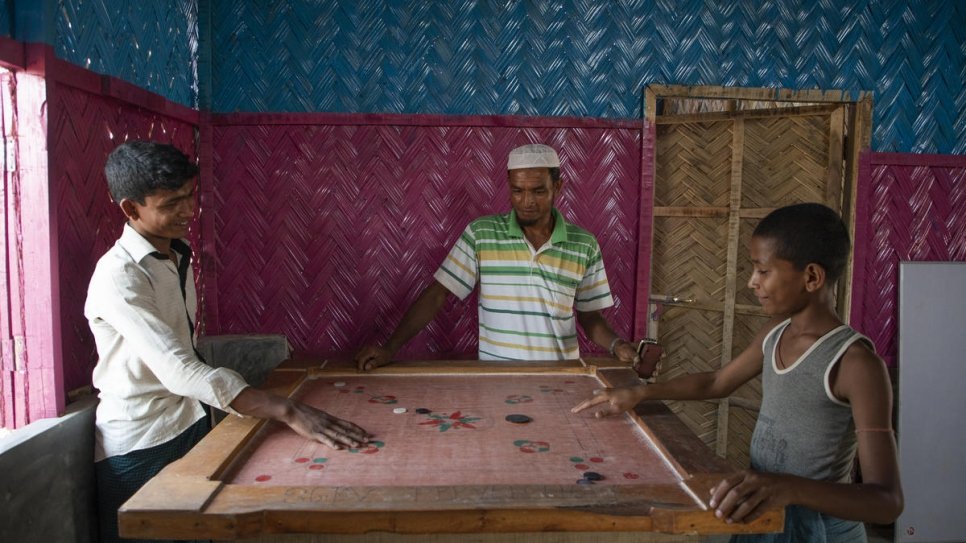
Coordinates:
(527,295)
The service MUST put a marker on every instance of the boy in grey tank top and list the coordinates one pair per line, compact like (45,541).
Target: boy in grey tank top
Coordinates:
(825,394)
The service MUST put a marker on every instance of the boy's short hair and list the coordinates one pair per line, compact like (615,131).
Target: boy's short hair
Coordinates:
(136,169)
(808,233)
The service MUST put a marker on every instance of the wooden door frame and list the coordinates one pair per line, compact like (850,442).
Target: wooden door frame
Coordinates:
(856,130)
(858,124)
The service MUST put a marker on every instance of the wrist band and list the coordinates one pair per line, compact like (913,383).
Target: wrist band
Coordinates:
(613,344)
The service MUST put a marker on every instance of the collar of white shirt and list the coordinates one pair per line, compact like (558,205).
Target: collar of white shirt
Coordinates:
(138,247)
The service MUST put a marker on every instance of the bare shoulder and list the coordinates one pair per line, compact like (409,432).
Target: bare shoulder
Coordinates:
(861,373)
(861,358)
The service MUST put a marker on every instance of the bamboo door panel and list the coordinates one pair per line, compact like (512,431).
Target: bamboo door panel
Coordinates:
(716,176)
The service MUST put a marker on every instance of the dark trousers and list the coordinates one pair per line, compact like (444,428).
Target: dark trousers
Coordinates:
(119,477)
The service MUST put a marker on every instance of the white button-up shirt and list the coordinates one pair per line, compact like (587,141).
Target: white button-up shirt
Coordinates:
(149,377)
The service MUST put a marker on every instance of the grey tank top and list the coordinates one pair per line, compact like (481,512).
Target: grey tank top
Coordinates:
(802,428)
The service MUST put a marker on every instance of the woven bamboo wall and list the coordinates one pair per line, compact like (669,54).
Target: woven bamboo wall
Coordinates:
(590,58)
(909,207)
(151,43)
(5,26)
(325,230)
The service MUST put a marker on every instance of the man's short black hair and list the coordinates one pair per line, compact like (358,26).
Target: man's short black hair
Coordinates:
(554,174)
(136,169)
(808,233)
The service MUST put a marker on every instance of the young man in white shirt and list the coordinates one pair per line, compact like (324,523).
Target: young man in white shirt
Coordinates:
(141,306)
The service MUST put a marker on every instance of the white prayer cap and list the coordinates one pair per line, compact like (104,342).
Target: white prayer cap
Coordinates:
(534,155)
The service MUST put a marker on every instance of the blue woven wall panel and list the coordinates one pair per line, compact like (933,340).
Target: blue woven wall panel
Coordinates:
(6,16)
(151,43)
(591,58)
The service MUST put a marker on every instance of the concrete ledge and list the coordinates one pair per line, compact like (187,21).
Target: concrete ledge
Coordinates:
(253,356)
(48,489)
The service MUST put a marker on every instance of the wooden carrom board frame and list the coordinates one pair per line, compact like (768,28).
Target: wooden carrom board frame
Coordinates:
(190,500)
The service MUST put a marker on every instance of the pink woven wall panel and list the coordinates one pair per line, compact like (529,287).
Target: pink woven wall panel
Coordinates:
(908,210)
(327,233)
(83,129)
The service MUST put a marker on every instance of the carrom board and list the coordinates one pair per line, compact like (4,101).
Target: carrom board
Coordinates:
(454,432)
(450,463)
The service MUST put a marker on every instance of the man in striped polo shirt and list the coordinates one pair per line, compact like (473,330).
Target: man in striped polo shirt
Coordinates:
(538,274)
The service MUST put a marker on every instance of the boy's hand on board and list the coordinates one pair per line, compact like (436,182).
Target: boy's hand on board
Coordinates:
(746,495)
(615,401)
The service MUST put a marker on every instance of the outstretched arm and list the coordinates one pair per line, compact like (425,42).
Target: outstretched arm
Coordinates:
(695,386)
(423,310)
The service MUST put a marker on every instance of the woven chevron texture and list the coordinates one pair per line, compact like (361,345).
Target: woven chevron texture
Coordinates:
(783,160)
(591,58)
(83,130)
(6,29)
(915,213)
(151,43)
(327,233)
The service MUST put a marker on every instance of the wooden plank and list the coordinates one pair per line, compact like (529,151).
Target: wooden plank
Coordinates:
(734,223)
(176,493)
(543,501)
(642,323)
(752,93)
(36,296)
(469,521)
(798,111)
(737,160)
(674,211)
(834,179)
(835,192)
(860,132)
(650,103)
(699,522)
(756,213)
(689,304)
(668,299)
(461,367)
(8,245)
(503,537)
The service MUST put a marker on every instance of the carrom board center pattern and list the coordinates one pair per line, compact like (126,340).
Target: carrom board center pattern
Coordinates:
(463,439)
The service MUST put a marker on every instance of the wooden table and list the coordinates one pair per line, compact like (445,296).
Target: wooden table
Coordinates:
(450,464)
